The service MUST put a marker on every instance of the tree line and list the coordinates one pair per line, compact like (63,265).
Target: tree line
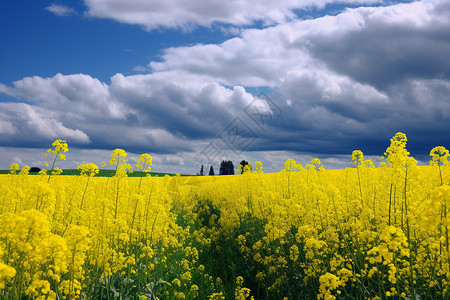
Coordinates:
(226,168)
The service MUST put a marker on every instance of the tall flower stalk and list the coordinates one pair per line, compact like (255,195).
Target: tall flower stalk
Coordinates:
(60,147)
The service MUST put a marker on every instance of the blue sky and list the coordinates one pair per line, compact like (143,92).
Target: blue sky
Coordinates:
(197,82)
(39,42)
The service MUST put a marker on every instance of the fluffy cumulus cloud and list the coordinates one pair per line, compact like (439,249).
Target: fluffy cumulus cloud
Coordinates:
(372,45)
(152,14)
(26,125)
(156,112)
(334,84)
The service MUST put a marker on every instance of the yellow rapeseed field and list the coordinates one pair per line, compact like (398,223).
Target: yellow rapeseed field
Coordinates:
(363,232)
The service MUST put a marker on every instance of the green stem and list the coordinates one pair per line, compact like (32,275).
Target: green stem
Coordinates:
(84,193)
(360,189)
(53,164)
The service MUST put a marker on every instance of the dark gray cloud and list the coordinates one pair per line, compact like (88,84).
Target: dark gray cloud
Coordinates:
(419,108)
(382,55)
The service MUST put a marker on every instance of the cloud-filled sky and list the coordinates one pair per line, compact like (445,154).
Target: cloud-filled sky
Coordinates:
(194,82)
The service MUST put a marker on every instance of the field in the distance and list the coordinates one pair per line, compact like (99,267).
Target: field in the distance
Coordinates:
(101,173)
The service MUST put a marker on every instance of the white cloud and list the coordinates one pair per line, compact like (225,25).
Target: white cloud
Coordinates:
(152,14)
(318,47)
(164,112)
(140,69)
(76,94)
(22,122)
(4,89)
(60,10)
(18,160)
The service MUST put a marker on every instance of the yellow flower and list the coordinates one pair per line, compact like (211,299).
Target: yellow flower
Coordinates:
(239,281)
(176,282)
(89,169)
(290,165)
(294,252)
(144,162)
(57,171)
(258,166)
(186,277)
(357,157)
(13,168)
(440,156)
(217,296)
(6,273)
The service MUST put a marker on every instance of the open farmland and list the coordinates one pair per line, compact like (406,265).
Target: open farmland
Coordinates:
(303,233)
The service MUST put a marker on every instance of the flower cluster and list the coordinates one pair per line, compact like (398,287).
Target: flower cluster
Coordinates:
(304,233)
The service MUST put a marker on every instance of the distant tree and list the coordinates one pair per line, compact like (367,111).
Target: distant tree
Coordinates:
(230,168)
(211,171)
(202,171)
(222,170)
(242,165)
(226,168)
(35,170)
